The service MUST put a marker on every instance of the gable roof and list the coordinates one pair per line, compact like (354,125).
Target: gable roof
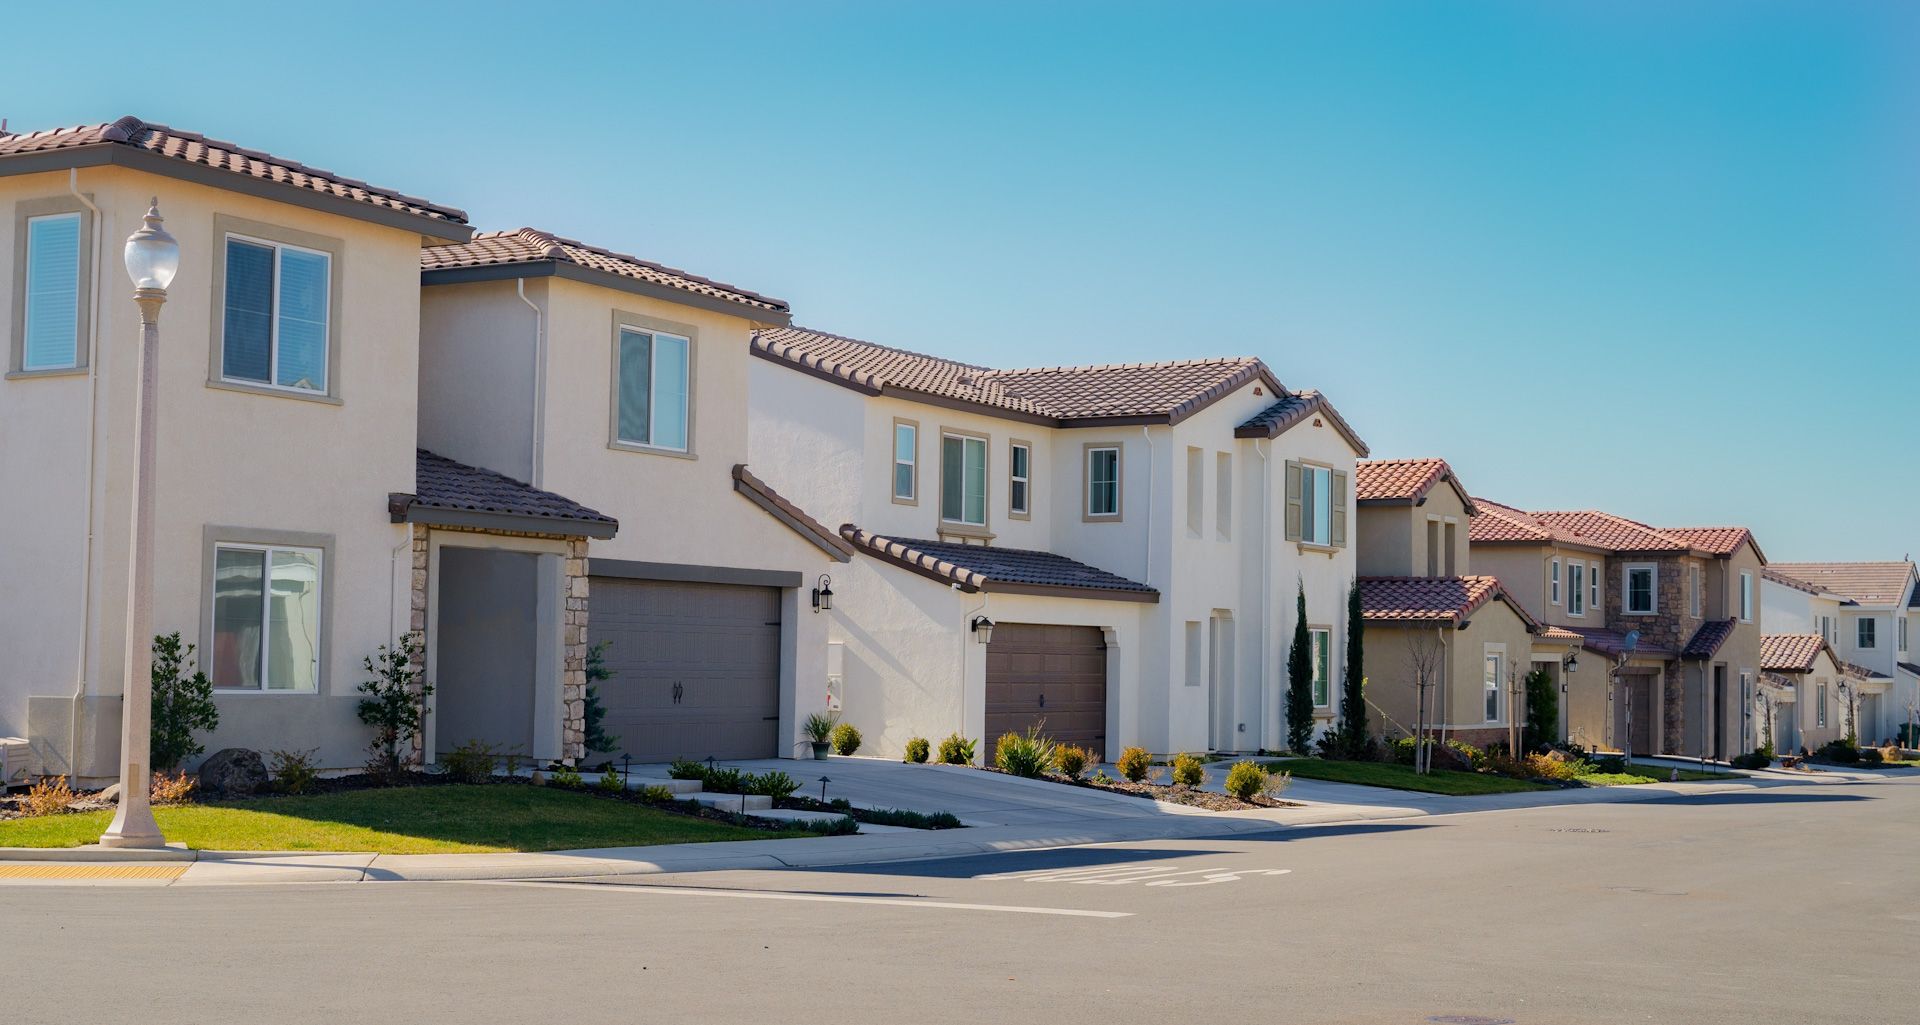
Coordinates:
(190,156)
(1446,600)
(1499,523)
(1720,542)
(999,570)
(1404,481)
(1289,410)
(1769,573)
(530,252)
(1793,653)
(453,494)
(1708,638)
(1865,583)
(761,494)
(1494,523)
(1086,396)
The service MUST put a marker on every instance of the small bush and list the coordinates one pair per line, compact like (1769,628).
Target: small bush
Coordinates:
(1842,751)
(773,783)
(819,727)
(846,739)
(1871,756)
(1157,775)
(1608,763)
(182,703)
(163,789)
(917,749)
(395,706)
(1071,760)
(1245,779)
(1029,754)
(956,750)
(683,769)
(293,771)
(1100,776)
(1752,760)
(567,777)
(1277,784)
(841,826)
(50,796)
(611,782)
(1189,771)
(909,819)
(654,793)
(1401,751)
(471,762)
(724,781)
(1134,763)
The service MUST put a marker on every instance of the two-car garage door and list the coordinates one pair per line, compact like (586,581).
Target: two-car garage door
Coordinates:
(696,668)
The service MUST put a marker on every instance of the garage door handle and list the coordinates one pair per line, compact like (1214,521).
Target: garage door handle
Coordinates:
(678,690)
(1043,701)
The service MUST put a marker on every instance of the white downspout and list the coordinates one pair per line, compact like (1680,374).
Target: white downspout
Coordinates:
(81,659)
(1148,575)
(535,469)
(1266,587)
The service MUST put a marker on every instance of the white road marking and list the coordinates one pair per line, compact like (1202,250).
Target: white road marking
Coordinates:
(1109,875)
(824,898)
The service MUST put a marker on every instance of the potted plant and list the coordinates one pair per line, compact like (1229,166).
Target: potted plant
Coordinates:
(819,728)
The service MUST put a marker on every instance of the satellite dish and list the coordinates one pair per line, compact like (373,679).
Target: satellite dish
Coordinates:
(1632,641)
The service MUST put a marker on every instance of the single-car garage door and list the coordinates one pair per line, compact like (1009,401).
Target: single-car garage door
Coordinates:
(696,668)
(1056,675)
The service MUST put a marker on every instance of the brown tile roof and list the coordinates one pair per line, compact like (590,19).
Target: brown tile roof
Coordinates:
(1871,583)
(132,134)
(1431,599)
(1059,396)
(532,246)
(451,493)
(1792,653)
(995,569)
(1289,410)
(759,493)
(1716,541)
(1776,680)
(1605,530)
(1614,642)
(1591,528)
(1493,522)
(1403,480)
(1705,641)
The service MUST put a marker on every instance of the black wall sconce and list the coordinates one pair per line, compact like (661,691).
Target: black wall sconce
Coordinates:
(823,594)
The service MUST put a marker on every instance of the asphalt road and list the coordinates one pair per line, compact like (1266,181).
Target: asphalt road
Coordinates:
(1786,905)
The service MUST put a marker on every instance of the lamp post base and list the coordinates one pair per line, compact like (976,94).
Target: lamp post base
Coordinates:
(133,824)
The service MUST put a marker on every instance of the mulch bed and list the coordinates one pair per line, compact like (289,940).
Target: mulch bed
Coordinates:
(1172,793)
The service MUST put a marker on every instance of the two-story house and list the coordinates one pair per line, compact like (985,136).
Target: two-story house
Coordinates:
(1669,616)
(1446,650)
(1111,553)
(286,416)
(1868,612)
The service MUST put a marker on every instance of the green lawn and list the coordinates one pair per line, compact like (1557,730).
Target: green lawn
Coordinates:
(402,820)
(1635,774)
(1401,777)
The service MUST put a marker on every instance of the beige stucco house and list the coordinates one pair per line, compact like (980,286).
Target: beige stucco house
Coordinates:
(1803,693)
(1869,612)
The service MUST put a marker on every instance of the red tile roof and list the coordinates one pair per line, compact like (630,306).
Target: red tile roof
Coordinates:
(995,569)
(1403,480)
(131,133)
(1431,599)
(1792,653)
(1293,409)
(1493,522)
(1869,583)
(1497,522)
(1058,396)
(1559,633)
(531,245)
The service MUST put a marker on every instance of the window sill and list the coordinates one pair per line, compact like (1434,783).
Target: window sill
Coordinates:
(255,692)
(964,530)
(650,450)
(1310,546)
(324,399)
(899,500)
(19,375)
(1655,612)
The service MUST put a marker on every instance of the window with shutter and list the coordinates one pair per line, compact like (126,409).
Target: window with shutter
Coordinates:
(1293,500)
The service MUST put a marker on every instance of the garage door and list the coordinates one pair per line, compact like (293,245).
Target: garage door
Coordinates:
(696,668)
(1056,675)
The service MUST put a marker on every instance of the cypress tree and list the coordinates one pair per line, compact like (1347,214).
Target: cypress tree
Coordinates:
(1300,680)
(1353,701)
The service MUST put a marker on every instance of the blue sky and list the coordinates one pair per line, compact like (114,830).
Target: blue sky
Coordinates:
(1658,258)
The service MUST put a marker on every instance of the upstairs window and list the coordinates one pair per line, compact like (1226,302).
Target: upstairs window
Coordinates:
(1865,636)
(1103,482)
(1553,581)
(1316,505)
(906,461)
(51,319)
(653,379)
(1019,478)
(1576,589)
(1903,633)
(275,314)
(1693,589)
(1322,642)
(1746,597)
(1196,490)
(266,618)
(963,479)
(1593,585)
(1642,594)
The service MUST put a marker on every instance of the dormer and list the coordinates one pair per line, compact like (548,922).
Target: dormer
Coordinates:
(1414,515)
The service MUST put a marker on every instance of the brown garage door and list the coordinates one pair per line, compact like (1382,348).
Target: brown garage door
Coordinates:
(1056,675)
(696,668)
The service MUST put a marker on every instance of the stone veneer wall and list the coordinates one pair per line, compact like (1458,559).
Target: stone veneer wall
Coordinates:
(1670,627)
(573,681)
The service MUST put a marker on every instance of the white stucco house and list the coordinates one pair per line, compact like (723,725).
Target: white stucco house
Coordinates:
(1111,551)
(1868,613)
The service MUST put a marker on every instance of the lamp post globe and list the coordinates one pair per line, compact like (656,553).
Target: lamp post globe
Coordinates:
(152,256)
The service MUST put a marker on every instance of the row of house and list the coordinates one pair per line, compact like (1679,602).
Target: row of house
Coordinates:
(377,421)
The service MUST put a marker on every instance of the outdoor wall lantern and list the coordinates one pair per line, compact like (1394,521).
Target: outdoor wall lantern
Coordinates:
(823,594)
(983,629)
(1572,664)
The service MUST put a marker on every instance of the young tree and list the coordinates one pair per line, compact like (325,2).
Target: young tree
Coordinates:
(1425,651)
(598,740)
(395,705)
(1543,711)
(1353,698)
(1300,680)
(182,703)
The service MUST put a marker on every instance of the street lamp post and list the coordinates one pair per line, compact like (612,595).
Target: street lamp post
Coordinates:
(152,257)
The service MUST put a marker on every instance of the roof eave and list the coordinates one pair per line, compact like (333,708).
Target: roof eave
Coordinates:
(548,267)
(993,586)
(403,508)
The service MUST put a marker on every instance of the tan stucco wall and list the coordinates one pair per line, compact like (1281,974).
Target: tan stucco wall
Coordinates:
(1395,539)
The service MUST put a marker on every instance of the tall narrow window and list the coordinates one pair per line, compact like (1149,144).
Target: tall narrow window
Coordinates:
(1553,581)
(266,618)
(275,315)
(1316,502)
(1576,589)
(1193,656)
(1593,585)
(1450,546)
(52,318)
(1903,633)
(1820,706)
(1491,684)
(963,479)
(1693,589)
(1322,641)
(1196,490)
(1746,597)
(1019,478)
(1103,483)
(1434,535)
(1223,495)
(906,461)
(653,384)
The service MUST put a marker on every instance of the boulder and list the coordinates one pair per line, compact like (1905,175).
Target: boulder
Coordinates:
(232,772)
(1445,757)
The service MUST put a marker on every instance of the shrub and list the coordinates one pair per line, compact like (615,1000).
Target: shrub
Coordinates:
(917,749)
(1543,711)
(909,819)
(819,727)
(1871,756)
(610,781)
(1189,771)
(654,793)
(567,778)
(1134,763)
(840,826)
(164,789)
(1401,751)
(293,771)
(395,704)
(1299,696)
(1277,784)
(1752,760)
(1100,776)
(956,750)
(1609,763)
(597,739)
(50,796)
(1245,779)
(1071,760)
(181,703)
(1029,755)
(846,739)
(1908,735)
(1842,751)
(683,769)
(471,762)
(773,783)
(724,781)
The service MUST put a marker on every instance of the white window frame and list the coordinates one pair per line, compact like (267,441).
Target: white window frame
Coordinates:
(1086,472)
(1553,581)
(986,482)
(1746,596)
(653,334)
(1315,644)
(912,463)
(79,358)
(1653,588)
(1820,703)
(1866,634)
(1903,633)
(1576,588)
(319,556)
(1024,481)
(1593,586)
(273,317)
(1316,528)
(1493,665)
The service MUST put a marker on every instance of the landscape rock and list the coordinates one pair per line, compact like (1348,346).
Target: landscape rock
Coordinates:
(232,772)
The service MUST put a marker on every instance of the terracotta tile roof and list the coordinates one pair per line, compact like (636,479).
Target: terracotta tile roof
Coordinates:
(1559,633)
(1792,653)
(1605,530)
(1776,680)
(1431,599)
(1870,583)
(1613,642)
(759,493)
(1769,573)
(531,245)
(452,487)
(192,148)
(1493,522)
(995,569)
(1717,541)
(1591,528)
(1705,641)
(1403,480)
(1289,410)
(1063,396)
